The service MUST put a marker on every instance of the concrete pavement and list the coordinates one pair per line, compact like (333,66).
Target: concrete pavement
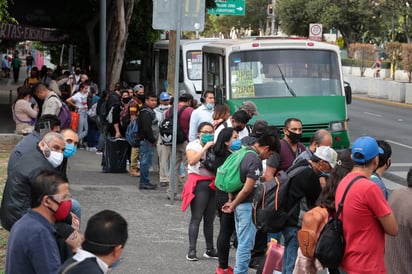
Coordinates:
(158,237)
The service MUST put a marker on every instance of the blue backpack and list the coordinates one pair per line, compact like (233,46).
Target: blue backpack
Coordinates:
(132,133)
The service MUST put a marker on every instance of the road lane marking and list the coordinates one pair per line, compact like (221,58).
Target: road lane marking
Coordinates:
(399,144)
(401,164)
(373,114)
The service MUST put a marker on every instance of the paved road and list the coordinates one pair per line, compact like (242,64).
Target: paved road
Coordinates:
(158,238)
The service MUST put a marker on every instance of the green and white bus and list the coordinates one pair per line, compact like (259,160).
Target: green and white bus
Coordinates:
(284,78)
(190,65)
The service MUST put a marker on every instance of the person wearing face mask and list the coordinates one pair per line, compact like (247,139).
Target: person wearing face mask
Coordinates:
(240,202)
(203,113)
(305,188)
(148,133)
(366,215)
(161,159)
(290,148)
(227,142)
(321,137)
(32,245)
(134,107)
(79,102)
(239,121)
(30,141)
(385,161)
(199,192)
(105,237)
(47,155)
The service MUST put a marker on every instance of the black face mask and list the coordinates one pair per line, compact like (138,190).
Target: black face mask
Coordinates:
(294,137)
(77,72)
(239,129)
(140,97)
(125,100)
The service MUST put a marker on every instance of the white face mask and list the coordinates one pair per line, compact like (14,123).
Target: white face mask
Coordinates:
(55,158)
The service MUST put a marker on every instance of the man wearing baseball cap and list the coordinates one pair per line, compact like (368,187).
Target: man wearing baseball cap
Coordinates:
(304,190)
(366,215)
(249,107)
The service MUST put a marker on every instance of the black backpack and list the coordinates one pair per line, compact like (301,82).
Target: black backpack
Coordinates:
(269,201)
(166,129)
(330,246)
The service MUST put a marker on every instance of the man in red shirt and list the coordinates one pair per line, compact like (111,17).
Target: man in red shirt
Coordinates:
(366,215)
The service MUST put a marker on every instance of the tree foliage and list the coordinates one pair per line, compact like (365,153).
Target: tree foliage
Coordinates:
(357,20)
(407,59)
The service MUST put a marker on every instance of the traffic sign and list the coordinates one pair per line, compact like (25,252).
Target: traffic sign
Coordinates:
(315,32)
(230,7)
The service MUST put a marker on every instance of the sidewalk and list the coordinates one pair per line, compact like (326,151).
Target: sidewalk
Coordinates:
(158,231)
(8,93)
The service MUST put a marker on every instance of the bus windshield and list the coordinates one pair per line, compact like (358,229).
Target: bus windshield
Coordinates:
(194,65)
(284,73)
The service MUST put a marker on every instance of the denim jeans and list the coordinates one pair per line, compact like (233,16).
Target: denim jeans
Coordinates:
(83,126)
(290,233)
(246,232)
(146,160)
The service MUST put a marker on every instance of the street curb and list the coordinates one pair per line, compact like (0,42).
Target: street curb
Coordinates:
(382,101)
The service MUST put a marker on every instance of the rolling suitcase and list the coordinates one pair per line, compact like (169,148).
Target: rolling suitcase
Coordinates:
(115,155)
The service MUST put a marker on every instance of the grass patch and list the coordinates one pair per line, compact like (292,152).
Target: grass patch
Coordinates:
(4,158)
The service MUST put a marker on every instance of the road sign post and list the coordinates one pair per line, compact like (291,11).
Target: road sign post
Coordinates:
(230,7)
(315,32)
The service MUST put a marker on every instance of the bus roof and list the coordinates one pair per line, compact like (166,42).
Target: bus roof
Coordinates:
(219,47)
(198,43)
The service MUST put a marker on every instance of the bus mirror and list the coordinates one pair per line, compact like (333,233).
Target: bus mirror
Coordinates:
(348,92)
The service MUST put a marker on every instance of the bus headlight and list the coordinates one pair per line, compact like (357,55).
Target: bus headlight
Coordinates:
(338,126)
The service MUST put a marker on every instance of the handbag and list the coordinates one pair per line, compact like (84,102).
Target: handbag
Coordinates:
(74,124)
(330,247)
(274,255)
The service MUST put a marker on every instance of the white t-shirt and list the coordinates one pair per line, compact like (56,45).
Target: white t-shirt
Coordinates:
(80,100)
(197,168)
(245,131)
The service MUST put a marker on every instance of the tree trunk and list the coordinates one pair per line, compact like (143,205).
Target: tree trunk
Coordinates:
(93,50)
(171,63)
(117,31)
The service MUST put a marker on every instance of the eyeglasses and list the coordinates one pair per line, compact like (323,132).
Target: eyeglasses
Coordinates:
(63,197)
(207,132)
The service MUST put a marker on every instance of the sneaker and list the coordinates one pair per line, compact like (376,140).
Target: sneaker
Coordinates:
(191,256)
(228,270)
(92,149)
(147,186)
(210,254)
(99,152)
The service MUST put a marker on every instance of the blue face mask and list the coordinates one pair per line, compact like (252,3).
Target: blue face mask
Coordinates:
(210,106)
(116,263)
(206,137)
(69,150)
(235,145)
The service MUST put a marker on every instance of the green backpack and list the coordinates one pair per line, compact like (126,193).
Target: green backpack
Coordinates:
(228,174)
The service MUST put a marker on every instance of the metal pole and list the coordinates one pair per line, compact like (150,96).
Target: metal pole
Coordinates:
(176,97)
(102,71)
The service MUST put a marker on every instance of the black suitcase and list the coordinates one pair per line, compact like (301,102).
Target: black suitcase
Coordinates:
(115,155)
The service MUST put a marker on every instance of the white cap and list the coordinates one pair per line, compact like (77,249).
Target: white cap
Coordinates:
(327,154)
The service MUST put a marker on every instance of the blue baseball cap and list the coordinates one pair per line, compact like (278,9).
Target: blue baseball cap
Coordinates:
(164,96)
(364,149)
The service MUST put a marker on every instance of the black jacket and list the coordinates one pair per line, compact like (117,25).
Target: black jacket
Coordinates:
(17,193)
(148,125)
(87,266)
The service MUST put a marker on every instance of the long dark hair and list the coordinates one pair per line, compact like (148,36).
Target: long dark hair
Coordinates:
(343,166)
(224,136)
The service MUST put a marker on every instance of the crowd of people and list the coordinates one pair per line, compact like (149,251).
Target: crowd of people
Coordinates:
(37,193)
